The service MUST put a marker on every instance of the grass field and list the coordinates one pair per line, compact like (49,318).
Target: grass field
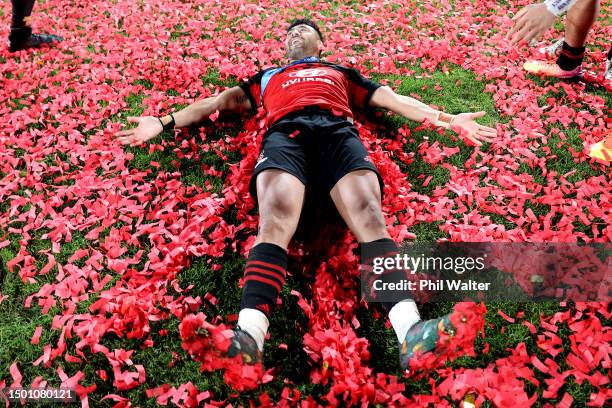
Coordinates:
(105,250)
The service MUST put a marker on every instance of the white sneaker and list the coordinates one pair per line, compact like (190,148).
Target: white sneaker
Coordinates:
(552,51)
(608,71)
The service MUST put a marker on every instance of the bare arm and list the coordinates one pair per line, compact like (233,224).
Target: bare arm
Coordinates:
(384,97)
(413,109)
(232,100)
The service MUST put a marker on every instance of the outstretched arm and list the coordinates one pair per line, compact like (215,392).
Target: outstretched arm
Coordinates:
(384,97)
(232,100)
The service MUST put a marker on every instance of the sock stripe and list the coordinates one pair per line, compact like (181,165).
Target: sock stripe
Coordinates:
(268,265)
(265,274)
(570,55)
(257,278)
(266,271)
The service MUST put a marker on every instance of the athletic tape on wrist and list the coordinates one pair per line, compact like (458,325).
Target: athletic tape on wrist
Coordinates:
(445,125)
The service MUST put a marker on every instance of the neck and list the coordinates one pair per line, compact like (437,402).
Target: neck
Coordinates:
(292,60)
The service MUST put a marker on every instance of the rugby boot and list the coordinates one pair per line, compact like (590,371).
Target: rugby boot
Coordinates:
(243,344)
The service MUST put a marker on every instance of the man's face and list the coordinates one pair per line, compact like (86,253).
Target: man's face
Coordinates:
(303,41)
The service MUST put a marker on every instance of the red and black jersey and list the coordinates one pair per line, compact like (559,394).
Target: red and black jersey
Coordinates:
(338,89)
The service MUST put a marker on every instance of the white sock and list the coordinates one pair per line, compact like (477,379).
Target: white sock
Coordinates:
(403,316)
(255,323)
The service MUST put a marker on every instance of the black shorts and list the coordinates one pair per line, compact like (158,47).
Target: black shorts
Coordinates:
(315,146)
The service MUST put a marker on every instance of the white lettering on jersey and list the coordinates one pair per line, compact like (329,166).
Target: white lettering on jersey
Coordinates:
(299,80)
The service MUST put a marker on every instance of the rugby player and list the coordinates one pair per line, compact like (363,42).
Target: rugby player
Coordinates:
(311,140)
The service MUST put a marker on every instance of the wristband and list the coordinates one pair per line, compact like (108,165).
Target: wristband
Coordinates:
(558,7)
(169,125)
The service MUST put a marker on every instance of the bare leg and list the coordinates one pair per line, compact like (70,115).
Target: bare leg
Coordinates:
(579,20)
(357,197)
(281,196)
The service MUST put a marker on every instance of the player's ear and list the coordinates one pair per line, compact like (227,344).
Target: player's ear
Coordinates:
(320,46)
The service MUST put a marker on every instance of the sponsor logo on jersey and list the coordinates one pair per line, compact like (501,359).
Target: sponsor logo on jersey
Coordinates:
(307,73)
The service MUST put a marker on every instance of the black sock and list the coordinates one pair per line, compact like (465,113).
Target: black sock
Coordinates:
(264,277)
(610,54)
(384,247)
(570,57)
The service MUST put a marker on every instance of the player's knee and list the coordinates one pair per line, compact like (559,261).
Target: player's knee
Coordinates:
(279,217)
(371,214)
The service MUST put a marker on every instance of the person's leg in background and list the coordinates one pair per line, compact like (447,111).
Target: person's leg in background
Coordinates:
(580,19)
(608,72)
(21,36)
(569,51)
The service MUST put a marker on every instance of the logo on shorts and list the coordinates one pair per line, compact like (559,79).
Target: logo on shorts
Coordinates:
(308,73)
(261,159)
(367,159)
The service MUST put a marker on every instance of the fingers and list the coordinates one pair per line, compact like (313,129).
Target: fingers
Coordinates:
(524,34)
(487,132)
(520,13)
(131,141)
(124,133)
(513,30)
(521,34)
(125,140)
(133,119)
(471,140)
(519,21)
(533,34)
(477,114)
(486,129)
(485,138)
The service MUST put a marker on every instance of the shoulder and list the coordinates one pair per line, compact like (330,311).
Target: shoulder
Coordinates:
(258,76)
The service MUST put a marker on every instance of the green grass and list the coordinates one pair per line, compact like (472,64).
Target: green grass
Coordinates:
(461,91)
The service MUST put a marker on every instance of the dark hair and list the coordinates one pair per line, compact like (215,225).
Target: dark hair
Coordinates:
(308,22)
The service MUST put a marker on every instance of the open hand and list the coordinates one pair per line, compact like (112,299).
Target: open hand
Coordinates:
(530,23)
(148,127)
(469,129)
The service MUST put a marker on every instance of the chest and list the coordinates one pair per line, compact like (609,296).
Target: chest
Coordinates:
(316,79)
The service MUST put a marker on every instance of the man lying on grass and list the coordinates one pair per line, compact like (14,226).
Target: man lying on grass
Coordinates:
(311,141)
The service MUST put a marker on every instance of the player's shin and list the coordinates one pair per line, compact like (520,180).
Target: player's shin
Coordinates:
(263,279)
(404,314)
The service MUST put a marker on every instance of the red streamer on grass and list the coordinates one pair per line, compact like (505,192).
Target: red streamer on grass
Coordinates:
(137,227)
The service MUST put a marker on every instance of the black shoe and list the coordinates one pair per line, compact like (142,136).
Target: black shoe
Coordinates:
(245,345)
(22,38)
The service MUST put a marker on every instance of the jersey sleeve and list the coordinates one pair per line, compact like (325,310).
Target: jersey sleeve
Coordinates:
(252,89)
(361,90)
